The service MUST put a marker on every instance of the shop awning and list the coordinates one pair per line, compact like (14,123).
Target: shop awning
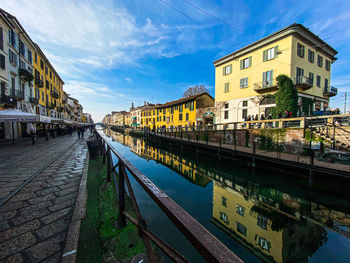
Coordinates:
(17,115)
(45,119)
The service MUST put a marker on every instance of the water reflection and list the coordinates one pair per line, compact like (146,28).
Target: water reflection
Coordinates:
(275,225)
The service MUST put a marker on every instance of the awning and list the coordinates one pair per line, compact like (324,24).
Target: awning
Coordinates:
(45,119)
(56,120)
(17,115)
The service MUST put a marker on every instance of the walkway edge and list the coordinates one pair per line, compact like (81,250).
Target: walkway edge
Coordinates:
(70,250)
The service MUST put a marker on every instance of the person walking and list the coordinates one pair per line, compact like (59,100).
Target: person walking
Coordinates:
(78,130)
(82,132)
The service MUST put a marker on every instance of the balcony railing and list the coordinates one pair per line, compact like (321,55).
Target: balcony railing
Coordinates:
(18,94)
(265,86)
(303,82)
(50,105)
(34,101)
(8,100)
(25,74)
(54,94)
(60,109)
(330,91)
(39,83)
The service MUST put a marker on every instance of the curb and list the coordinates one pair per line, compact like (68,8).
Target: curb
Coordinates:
(70,250)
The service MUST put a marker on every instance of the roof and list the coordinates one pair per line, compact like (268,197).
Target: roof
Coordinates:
(182,100)
(291,29)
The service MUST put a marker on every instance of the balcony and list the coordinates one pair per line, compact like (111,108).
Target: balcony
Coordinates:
(39,83)
(303,83)
(266,86)
(50,105)
(330,91)
(25,74)
(8,100)
(54,94)
(34,101)
(18,94)
(60,109)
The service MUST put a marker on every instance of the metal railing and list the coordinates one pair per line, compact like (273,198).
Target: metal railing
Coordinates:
(203,241)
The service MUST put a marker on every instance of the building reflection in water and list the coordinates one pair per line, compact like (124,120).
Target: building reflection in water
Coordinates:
(275,226)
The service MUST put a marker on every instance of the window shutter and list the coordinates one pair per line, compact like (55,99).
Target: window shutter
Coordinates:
(276,51)
(264,77)
(223,71)
(265,55)
(271,75)
(241,64)
(250,61)
(2,61)
(230,68)
(241,83)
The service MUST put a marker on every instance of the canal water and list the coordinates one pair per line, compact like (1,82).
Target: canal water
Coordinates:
(262,216)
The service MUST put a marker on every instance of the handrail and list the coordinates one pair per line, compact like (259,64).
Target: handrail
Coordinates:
(203,241)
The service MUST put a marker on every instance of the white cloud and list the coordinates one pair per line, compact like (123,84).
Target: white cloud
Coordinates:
(128,80)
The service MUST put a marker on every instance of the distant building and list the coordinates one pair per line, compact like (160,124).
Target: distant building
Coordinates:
(244,78)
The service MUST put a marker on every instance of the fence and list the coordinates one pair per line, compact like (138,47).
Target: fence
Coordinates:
(203,241)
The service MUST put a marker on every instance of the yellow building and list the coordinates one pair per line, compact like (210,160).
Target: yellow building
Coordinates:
(148,116)
(244,77)
(48,86)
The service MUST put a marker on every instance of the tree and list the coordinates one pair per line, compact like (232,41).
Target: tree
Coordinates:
(286,97)
(191,91)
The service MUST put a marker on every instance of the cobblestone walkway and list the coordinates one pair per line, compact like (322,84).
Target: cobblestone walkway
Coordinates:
(35,221)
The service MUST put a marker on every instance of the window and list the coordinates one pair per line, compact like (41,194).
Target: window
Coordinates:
(226,114)
(187,105)
(12,58)
(180,116)
(35,57)
(2,61)
(326,83)
(300,50)
(270,53)
(224,201)
(22,48)
(311,56)
(22,64)
(41,64)
(180,108)
(172,110)
(328,65)
(246,63)
(262,221)
(227,89)
(47,84)
(191,105)
(164,111)
(30,58)
(12,38)
(50,74)
(264,244)
(244,113)
(311,78)
(227,70)
(241,229)
(243,83)
(1,39)
(187,117)
(319,61)
(42,95)
(224,218)
(245,103)
(300,75)
(46,70)
(164,118)
(267,79)
(240,210)
(318,81)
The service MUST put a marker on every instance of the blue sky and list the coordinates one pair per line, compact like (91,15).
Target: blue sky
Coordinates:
(119,52)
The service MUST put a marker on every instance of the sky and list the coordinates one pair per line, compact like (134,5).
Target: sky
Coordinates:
(112,53)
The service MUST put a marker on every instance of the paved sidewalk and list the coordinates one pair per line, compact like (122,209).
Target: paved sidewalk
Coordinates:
(35,221)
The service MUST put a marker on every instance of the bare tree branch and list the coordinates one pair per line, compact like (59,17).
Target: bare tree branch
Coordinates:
(191,91)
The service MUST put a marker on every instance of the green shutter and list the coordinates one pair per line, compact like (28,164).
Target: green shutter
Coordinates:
(250,61)
(223,71)
(264,80)
(241,83)
(241,63)
(265,55)
(276,51)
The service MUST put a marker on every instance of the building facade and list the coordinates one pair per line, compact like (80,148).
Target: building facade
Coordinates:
(245,78)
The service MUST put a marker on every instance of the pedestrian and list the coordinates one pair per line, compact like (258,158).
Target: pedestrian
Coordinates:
(70,130)
(290,114)
(270,118)
(82,132)
(286,114)
(78,130)
(262,117)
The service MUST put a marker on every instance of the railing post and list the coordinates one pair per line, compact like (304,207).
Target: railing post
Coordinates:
(103,153)
(121,197)
(108,164)
(181,132)
(333,146)
(207,134)
(235,136)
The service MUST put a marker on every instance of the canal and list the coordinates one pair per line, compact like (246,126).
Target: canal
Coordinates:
(262,216)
